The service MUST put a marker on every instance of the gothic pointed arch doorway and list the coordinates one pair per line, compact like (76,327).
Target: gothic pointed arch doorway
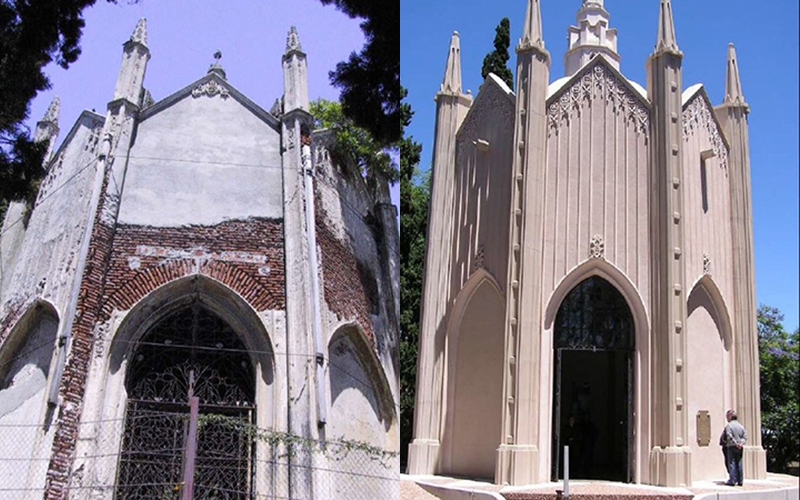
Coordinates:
(593,381)
(191,399)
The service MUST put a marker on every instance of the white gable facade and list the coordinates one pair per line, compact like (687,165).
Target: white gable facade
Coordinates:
(589,275)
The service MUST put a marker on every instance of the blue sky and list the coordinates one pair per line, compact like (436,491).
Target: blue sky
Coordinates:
(766,38)
(183,36)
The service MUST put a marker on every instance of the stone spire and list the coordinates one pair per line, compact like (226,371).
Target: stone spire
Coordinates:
(666,29)
(51,115)
(532,30)
(733,87)
(732,115)
(134,64)
(140,32)
(47,128)
(295,81)
(292,40)
(451,83)
(590,37)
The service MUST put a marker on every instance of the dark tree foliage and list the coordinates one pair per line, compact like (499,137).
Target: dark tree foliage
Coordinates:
(32,34)
(370,79)
(495,61)
(414,195)
(354,147)
(780,392)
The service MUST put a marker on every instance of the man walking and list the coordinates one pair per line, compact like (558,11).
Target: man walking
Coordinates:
(736,437)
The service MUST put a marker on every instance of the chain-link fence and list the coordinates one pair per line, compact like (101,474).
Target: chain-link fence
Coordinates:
(180,454)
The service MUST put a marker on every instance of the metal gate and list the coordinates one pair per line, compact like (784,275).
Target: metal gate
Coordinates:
(190,406)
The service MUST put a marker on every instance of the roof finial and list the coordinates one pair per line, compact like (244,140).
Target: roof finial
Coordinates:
(292,40)
(532,30)
(451,83)
(666,29)
(51,115)
(733,87)
(140,32)
(216,67)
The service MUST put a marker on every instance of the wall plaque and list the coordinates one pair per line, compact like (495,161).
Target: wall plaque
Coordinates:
(703,428)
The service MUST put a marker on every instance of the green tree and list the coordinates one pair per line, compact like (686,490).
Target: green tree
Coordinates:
(414,196)
(370,79)
(32,34)
(355,147)
(495,61)
(779,378)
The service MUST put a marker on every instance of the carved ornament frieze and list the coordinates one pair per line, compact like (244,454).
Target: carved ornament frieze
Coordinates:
(698,115)
(597,247)
(211,88)
(599,83)
(478,259)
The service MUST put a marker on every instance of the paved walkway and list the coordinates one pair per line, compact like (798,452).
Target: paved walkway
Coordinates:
(435,487)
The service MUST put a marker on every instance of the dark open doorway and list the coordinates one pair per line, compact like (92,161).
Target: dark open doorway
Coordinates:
(592,403)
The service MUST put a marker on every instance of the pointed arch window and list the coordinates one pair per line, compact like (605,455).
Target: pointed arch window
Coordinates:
(594,315)
(190,353)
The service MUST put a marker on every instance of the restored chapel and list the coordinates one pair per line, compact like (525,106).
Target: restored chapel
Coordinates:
(589,273)
(202,302)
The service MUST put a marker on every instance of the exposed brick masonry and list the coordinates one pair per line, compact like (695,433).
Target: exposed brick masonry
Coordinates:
(261,284)
(245,255)
(74,377)
(349,287)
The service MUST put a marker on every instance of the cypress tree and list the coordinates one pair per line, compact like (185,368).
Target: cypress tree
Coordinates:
(495,61)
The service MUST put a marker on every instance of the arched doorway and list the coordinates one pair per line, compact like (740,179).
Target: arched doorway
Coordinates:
(708,369)
(25,417)
(476,401)
(189,354)
(593,380)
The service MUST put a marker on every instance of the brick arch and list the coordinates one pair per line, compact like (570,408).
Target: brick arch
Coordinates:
(133,290)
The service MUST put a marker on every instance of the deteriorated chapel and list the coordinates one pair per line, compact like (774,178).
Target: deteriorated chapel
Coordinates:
(201,303)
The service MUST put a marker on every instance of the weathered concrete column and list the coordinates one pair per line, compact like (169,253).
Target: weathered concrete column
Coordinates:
(300,352)
(77,339)
(451,108)
(670,458)
(518,455)
(732,115)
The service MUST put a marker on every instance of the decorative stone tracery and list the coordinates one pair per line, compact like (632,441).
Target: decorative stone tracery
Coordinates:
(697,115)
(599,83)
(491,98)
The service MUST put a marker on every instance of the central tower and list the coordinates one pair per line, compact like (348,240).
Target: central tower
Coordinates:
(590,37)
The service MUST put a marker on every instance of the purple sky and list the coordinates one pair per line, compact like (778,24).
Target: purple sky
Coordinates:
(183,36)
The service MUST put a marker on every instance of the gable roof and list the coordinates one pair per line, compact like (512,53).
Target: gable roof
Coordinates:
(491,85)
(554,91)
(86,117)
(698,91)
(212,79)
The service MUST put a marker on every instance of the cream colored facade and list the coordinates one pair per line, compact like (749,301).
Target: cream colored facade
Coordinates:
(642,191)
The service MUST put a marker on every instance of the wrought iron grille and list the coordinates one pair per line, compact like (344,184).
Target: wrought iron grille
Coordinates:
(594,315)
(191,353)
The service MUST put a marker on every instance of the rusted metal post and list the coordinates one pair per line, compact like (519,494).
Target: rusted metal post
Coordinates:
(191,449)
